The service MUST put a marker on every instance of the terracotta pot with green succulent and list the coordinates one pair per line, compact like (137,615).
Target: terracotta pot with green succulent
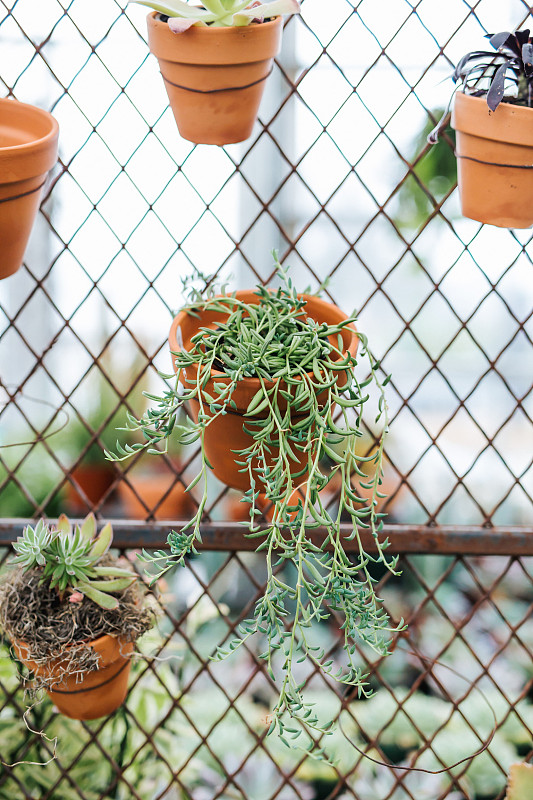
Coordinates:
(73,613)
(282,371)
(493,120)
(215,60)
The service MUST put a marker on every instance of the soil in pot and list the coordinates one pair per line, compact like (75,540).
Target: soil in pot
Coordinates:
(494,161)
(28,150)
(215,76)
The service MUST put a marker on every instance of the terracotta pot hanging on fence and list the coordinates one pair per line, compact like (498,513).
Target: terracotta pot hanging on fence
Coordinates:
(86,695)
(494,161)
(215,76)
(225,434)
(28,150)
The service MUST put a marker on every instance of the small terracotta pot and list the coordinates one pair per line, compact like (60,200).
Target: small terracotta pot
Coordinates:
(494,161)
(178,504)
(240,512)
(89,695)
(225,434)
(95,481)
(215,77)
(28,149)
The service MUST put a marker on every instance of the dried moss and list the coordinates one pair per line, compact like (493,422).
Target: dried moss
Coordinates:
(51,628)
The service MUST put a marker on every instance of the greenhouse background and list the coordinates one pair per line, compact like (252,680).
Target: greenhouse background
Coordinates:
(337,177)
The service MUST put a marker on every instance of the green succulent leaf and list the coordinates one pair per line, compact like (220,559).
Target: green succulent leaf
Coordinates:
(100,598)
(88,527)
(63,524)
(114,572)
(220,12)
(113,584)
(68,558)
(103,542)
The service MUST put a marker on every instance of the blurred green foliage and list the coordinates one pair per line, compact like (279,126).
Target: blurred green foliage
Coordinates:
(435,168)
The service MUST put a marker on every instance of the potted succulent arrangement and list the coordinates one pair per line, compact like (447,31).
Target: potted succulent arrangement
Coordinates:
(493,120)
(214,60)
(72,614)
(28,150)
(270,381)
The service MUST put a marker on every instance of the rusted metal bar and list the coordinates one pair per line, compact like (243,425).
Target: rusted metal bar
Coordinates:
(230,536)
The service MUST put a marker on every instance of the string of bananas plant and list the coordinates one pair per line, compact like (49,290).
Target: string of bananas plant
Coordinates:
(309,405)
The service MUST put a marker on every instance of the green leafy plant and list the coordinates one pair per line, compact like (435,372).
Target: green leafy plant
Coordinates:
(505,75)
(305,376)
(69,559)
(219,13)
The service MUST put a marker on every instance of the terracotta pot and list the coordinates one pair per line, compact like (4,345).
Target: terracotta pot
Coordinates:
(28,149)
(225,434)
(95,481)
(493,147)
(91,694)
(215,77)
(178,504)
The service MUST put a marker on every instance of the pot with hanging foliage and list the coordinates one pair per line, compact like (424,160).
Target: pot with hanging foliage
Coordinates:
(215,60)
(271,380)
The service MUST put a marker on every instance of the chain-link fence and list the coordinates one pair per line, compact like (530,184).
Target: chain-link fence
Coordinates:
(338,178)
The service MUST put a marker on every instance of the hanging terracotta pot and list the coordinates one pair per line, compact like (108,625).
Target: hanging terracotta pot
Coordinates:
(94,481)
(154,492)
(225,434)
(215,76)
(86,695)
(494,161)
(28,150)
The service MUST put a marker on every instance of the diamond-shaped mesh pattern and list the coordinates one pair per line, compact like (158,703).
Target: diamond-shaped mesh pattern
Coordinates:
(338,178)
(192,728)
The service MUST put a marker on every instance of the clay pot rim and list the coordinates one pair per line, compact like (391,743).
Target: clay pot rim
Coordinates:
(37,112)
(99,641)
(224,30)
(215,47)
(254,384)
(509,123)
(109,647)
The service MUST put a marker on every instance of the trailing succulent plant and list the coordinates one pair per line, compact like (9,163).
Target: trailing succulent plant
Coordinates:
(502,76)
(219,13)
(69,559)
(274,341)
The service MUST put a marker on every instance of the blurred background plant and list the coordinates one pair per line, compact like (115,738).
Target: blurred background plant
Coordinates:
(178,737)
(432,179)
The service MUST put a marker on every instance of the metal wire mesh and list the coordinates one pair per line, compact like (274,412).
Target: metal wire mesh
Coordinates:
(336,176)
(132,209)
(195,729)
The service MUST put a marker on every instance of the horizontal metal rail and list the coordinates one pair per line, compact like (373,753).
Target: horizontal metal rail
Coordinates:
(404,539)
